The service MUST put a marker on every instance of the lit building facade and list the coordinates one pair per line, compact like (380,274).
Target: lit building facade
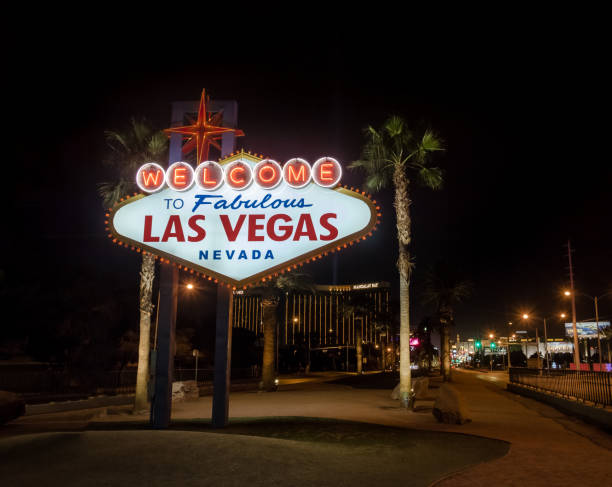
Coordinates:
(321,318)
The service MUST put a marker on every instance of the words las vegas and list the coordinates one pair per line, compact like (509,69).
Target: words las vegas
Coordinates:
(252,226)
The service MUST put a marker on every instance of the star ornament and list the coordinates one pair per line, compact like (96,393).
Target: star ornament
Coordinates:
(203,132)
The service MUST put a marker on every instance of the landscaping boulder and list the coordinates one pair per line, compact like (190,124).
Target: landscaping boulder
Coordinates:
(11,406)
(420,385)
(450,406)
(186,390)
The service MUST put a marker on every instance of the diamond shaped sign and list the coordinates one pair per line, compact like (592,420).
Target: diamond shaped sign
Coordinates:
(241,236)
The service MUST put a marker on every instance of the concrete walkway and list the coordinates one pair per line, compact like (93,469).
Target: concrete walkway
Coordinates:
(547,447)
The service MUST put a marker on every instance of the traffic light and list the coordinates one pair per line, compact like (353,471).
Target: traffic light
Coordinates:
(478,344)
(493,345)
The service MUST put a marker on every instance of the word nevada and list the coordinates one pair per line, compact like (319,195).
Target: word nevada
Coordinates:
(238,175)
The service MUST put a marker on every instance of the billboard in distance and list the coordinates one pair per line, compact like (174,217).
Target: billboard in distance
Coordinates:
(586,329)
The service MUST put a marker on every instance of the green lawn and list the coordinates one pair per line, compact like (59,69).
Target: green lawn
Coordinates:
(253,452)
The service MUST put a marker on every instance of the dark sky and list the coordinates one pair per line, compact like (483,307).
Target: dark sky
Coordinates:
(526,166)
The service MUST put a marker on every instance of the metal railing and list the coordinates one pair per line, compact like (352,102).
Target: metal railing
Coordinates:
(594,387)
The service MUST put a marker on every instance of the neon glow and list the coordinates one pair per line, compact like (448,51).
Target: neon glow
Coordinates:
(268,174)
(209,175)
(202,132)
(297,173)
(150,177)
(240,221)
(238,175)
(180,176)
(326,172)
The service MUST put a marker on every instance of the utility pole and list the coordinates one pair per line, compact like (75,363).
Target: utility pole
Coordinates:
(546,347)
(598,337)
(575,331)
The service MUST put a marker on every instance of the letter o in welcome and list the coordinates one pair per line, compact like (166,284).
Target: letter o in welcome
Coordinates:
(268,174)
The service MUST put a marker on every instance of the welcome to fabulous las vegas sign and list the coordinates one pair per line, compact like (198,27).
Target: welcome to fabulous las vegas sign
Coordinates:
(244,219)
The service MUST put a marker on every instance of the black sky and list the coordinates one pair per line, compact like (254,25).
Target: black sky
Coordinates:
(524,120)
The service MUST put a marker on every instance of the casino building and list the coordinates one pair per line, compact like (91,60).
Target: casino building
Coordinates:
(323,326)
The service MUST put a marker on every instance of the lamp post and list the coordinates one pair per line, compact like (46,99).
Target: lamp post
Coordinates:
(526,318)
(508,346)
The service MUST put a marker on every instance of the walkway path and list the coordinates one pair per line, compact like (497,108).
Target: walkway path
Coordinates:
(547,447)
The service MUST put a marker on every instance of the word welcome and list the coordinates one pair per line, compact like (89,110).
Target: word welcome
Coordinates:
(238,175)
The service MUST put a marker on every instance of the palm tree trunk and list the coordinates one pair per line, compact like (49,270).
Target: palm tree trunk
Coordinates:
(445,352)
(402,212)
(269,327)
(147,275)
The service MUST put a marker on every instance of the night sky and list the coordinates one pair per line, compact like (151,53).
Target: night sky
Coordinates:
(526,165)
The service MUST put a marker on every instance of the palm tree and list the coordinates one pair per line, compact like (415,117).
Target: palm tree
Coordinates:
(393,155)
(272,292)
(445,288)
(357,306)
(129,150)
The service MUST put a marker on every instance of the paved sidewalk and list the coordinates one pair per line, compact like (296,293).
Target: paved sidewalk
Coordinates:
(547,447)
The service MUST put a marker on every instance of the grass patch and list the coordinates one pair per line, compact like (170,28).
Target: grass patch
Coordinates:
(296,451)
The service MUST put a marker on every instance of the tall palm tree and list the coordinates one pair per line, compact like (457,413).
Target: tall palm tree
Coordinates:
(445,287)
(128,151)
(394,155)
(272,293)
(357,306)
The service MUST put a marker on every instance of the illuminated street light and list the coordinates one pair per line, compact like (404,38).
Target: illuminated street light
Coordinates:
(189,286)
(567,293)
(563,315)
(490,335)
(525,316)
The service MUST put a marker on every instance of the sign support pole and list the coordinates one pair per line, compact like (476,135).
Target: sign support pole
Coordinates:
(223,357)
(164,365)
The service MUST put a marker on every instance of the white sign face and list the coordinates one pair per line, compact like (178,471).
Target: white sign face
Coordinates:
(586,329)
(241,236)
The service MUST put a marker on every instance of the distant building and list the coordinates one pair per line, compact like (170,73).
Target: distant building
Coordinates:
(319,317)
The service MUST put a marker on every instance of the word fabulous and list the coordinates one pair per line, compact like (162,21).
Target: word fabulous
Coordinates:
(238,175)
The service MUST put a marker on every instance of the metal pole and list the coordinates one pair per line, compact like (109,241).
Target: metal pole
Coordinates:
(576,346)
(162,398)
(538,349)
(546,347)
(598,337)
(196,370)
(223,357)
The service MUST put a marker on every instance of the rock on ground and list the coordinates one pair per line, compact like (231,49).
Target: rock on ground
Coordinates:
(11,406)
(185,391)
(450,406)
(420,385)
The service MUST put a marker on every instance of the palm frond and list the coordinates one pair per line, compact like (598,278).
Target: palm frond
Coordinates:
(112,192)
(158,144)
(432,177)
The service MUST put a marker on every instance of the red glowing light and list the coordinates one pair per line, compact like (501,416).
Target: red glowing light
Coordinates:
(202,132)
(297,173)
(327,172)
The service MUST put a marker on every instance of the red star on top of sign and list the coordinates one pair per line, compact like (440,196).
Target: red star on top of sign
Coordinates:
(203,132)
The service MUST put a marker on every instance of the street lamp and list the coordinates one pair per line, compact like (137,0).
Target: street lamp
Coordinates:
(525,316)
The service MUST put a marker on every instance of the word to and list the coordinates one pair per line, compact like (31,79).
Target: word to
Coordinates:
(239,175)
